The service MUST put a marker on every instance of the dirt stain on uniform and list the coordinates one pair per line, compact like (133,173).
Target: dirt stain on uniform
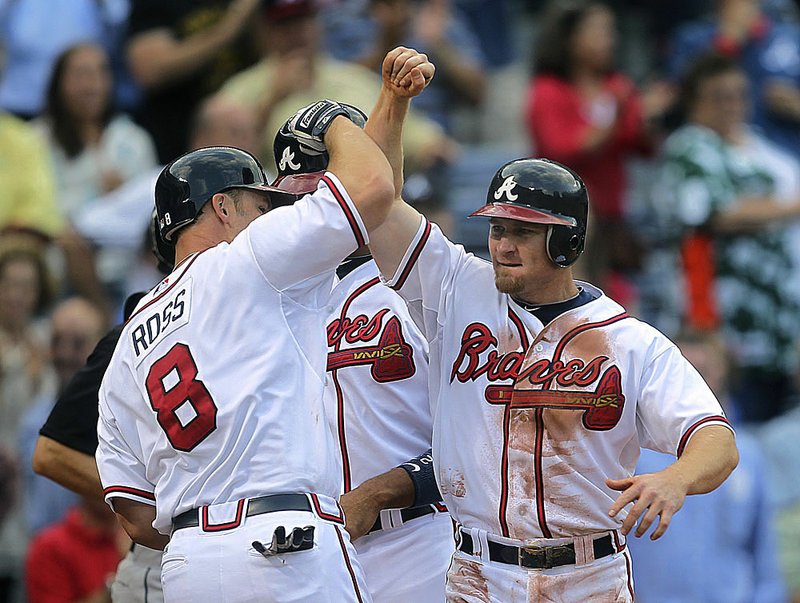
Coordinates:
(522,430)
(454,484)
(466,583)
(589,345)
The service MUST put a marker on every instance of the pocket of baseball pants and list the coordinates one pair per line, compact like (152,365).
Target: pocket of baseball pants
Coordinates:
(172,563)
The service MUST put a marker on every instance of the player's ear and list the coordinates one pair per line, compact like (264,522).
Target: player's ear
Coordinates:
(219,203)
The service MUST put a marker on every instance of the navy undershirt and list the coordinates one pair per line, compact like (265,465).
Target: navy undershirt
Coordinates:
(548,312)
(350,264)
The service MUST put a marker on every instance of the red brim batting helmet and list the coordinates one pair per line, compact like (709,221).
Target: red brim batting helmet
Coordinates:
(298,184)
(542,192)
(523,214)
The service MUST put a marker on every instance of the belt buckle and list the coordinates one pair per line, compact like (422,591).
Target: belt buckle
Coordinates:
(537,553)
(544,557)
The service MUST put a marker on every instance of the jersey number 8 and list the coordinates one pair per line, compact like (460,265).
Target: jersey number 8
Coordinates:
(184,407)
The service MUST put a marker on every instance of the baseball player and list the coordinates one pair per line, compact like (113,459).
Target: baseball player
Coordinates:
(377,392)
(542,389)
(212,432)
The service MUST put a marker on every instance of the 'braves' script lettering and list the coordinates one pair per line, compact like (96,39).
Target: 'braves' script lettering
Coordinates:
(361,328)
(478,356)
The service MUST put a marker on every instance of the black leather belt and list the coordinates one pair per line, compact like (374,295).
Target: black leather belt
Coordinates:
(255,506)
(544,557)
(406,514)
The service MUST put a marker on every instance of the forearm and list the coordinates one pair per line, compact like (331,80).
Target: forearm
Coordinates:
(385,127)
(754,213)
(157,58)
(707,461)
(391,490)
(72,469)
(137,520)
(362,168)
(596,138)
(100,596)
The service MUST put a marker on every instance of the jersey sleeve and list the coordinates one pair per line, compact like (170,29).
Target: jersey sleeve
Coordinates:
(674,403)
(295,243)
(426,276)
(122,472)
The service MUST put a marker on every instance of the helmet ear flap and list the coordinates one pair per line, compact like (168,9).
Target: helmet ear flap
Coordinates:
(564,244)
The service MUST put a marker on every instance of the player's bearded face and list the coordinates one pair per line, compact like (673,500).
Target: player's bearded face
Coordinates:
(506,283)
(517,250)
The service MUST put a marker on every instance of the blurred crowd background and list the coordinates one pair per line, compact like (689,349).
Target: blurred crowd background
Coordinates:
(682,116)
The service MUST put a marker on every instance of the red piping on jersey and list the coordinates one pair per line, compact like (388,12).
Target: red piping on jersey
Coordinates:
(220,527)
(348,212)
(348,564)
(630,577)
(340,427)
(523,336)
(339,397)
(323,515)
(619,547)
(617,544)
(503,510)
(585,327)
(539,473)
(129,490)
(694,428)
(168,289)
(414,257)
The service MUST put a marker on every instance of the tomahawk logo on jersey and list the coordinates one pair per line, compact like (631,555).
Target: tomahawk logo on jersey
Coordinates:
(390,359)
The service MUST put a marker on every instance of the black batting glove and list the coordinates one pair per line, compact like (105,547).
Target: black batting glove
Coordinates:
(299,539)
(310,124)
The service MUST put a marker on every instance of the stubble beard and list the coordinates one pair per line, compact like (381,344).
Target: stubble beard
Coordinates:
(512,285)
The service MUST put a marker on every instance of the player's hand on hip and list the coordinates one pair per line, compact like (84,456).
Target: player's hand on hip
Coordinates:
(406,72)
(655,496)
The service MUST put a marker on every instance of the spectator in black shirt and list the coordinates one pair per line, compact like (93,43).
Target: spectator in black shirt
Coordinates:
(180,52)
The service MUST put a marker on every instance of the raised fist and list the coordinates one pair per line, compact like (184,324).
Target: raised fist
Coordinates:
(406,72)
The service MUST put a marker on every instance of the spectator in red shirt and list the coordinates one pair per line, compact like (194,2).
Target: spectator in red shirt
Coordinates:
(74,560)
(583,113)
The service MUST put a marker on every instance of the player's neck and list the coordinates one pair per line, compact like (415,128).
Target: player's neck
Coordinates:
(550,291)
(193,242)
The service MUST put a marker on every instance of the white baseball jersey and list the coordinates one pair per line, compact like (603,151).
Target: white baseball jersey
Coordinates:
(214,393)
(599,383)
(377,386)
(377,390)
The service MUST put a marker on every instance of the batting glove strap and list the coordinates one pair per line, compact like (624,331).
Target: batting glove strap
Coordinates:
(310,124)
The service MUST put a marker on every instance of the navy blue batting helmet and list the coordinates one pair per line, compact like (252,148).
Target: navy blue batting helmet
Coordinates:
(543,192)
